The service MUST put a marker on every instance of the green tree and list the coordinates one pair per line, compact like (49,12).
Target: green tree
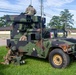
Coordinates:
(66,19)
(55,22)
(3,22)
(63,21)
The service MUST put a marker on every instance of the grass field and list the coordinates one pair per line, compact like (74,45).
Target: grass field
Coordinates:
(34,66)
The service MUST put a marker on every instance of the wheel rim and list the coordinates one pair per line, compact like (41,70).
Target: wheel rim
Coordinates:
(57,59)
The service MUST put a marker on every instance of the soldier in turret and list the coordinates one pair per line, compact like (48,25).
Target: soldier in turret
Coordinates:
(30,10)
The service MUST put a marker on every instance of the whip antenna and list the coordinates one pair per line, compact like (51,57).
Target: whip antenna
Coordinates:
(41,7)
(41,21)
(30,2)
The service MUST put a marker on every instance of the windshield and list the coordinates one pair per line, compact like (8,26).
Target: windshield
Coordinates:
(58,34)
(54,33)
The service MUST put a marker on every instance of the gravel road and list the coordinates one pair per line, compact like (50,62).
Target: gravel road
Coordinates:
(3,39)
(2,42)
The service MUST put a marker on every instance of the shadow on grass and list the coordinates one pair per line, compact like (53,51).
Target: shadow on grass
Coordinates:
(2,67)
(72,61)
(71,64)
(36,58)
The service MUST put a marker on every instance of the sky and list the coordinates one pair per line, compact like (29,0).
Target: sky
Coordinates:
(50,7)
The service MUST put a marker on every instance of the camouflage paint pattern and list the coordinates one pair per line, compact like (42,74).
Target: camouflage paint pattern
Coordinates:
(35,45)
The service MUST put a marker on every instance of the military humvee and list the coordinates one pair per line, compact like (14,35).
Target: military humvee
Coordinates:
(29,36)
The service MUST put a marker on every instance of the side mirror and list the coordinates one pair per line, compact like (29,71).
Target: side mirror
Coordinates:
(50,35)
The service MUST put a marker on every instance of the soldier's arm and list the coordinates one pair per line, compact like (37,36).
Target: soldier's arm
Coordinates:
(26,11)
(34,11)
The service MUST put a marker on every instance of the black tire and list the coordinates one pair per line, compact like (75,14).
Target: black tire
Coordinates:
(59,59)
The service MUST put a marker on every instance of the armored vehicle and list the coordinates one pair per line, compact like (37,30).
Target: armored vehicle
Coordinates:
(29,36)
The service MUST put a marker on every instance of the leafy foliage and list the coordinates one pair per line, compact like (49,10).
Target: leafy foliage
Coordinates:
(3,22)
(55,22)
(63,21)
(66,19)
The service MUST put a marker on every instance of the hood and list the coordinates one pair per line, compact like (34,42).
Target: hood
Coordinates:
(66,41)
(71,40)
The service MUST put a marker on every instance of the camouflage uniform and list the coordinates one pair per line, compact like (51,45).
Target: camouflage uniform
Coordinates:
(23,38)
(30,10)
(7,58)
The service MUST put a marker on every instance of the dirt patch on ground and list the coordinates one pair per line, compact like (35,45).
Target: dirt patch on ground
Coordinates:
(3,39)
(72,36)
(2,42)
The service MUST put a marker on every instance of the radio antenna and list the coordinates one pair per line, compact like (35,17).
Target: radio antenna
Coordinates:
(41,7)
(41,21)
(30,2)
